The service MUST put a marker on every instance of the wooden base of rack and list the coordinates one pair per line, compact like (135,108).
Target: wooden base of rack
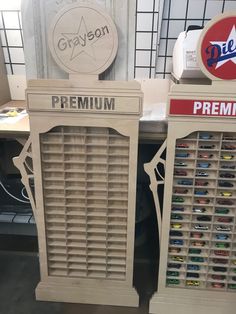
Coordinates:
(172,303)
(119,296)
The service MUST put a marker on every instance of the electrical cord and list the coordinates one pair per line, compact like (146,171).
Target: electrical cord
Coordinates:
(12,196)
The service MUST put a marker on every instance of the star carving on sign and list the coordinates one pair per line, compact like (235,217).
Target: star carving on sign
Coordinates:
(227,49)
(81,41)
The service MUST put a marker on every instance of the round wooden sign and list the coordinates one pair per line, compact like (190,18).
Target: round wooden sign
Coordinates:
(217,48)
(83,39)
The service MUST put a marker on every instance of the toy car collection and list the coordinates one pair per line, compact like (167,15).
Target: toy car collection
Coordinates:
(207,196)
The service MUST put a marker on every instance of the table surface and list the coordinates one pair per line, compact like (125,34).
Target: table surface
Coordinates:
(18,128)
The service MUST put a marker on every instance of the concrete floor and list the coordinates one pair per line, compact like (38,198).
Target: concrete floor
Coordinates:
(19,275)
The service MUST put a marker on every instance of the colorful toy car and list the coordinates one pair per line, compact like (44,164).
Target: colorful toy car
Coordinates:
(223,228)
(201,227)
(177,199)
(227,157)
(231,286)
(207,146)
(219,269)
(226,193)
(172,273)
(218,277)
(223,245)
(227,175)
(185,182)
(193,267)
(180,191)
(228,147)
(221,253)
(225,219)
(180,173)
(193,275)
(228,166)
(194,251)
(198,243)
(182,145)
(182,155)
(220,261)
(234,261)
(203,165)
(201,174)
(196,235)
(205,156)
(222,236)
(197,259)
(201,183)
(178,209)
(176,242)
(177,258)
(225,202)
(175,233)
(175,250)
(225,184)
(176,217)
(170,281)
(176,226)
(173,265)
(180,164)
(205,136)
(199,209)
(193,283)
(203,201)
(200,192)
(224,211)
(204,218)
(218,285)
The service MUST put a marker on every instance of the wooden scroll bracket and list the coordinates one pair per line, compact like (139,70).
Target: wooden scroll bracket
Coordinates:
(25,165)
(156,179)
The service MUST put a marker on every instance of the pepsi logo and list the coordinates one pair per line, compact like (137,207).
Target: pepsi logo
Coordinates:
(218,49)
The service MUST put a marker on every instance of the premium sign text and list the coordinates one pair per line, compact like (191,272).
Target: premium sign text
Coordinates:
(83,103)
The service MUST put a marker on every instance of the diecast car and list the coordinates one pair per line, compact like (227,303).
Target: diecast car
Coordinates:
(193,283)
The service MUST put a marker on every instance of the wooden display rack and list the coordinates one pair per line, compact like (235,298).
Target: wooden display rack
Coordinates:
(198,240)
(84,136)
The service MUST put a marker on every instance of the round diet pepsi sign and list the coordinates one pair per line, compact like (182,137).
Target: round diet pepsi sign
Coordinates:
(217,48)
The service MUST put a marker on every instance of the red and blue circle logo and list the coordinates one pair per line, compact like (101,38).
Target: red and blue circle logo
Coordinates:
(218,48)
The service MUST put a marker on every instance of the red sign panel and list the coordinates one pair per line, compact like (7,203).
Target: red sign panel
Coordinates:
(218,48)
(209,108)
